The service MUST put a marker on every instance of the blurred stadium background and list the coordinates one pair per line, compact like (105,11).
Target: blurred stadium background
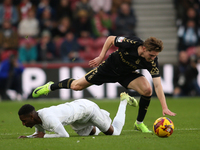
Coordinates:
(53,40)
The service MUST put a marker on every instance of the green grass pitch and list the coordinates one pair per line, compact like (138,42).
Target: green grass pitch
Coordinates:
(186,134)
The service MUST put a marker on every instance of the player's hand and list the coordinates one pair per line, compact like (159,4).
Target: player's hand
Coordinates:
(168,112)
(95,62)
(39,135)
(22,136)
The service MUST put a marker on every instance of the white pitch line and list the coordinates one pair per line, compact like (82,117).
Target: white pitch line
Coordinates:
(181,129)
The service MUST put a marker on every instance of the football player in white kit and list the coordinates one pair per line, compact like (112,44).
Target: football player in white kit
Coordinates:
(84,116)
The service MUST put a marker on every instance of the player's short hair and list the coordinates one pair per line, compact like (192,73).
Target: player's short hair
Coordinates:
(153,44)
(26,109)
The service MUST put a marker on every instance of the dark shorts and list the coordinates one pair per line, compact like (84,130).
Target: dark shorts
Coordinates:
(103,74)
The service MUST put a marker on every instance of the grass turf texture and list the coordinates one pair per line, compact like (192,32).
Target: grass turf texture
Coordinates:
(186,134)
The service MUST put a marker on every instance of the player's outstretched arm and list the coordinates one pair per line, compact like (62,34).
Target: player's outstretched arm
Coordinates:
(108,43)
(35,135)
(161,97)
(60,132)
(168,112)
(95,62)
(22,136)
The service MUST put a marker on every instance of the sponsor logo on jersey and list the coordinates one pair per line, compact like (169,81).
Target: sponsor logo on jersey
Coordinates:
(153,63)
(120,39)
(154,71)
(137,61)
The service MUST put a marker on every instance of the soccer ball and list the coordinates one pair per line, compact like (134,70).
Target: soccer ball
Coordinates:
(163,127)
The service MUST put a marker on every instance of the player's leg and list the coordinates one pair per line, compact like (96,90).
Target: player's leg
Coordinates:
(83,129)
(69,83)
(78,84)
(92,77)
(91,118)
(88,130)
(100,120)
(142,86)
(103,120)
(95,131)
(119,120)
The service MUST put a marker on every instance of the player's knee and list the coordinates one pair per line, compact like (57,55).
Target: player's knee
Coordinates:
(93,131)
(147,91)
(76,86)
(79,84)
(109,131)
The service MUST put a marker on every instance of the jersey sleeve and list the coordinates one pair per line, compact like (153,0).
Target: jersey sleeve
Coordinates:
(59,132)
(154,69)
(53,124)
(127,42)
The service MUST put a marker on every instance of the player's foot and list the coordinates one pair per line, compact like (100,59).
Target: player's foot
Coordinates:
(141,127)
(42,90)
(130,100)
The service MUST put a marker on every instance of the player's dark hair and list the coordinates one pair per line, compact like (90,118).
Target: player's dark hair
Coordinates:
(26,109)
(153,44)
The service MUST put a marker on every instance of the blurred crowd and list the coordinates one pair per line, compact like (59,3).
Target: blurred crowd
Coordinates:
(62,30)
(188,32)
(75,30)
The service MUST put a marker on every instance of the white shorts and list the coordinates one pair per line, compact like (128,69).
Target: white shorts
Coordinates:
(99,118)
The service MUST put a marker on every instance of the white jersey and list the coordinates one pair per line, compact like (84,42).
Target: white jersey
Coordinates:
(81,114)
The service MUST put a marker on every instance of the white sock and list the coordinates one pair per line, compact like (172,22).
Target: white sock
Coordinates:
(138,122)
(49,87)
(97,131)
(119,120)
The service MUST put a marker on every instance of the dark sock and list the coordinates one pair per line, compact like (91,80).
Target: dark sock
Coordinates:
(66,84)
(143,106)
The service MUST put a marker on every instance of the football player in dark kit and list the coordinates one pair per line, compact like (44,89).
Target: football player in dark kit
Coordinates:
(120,66)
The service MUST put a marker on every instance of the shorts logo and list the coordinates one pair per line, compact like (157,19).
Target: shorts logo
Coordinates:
(120,39)
(92,72)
